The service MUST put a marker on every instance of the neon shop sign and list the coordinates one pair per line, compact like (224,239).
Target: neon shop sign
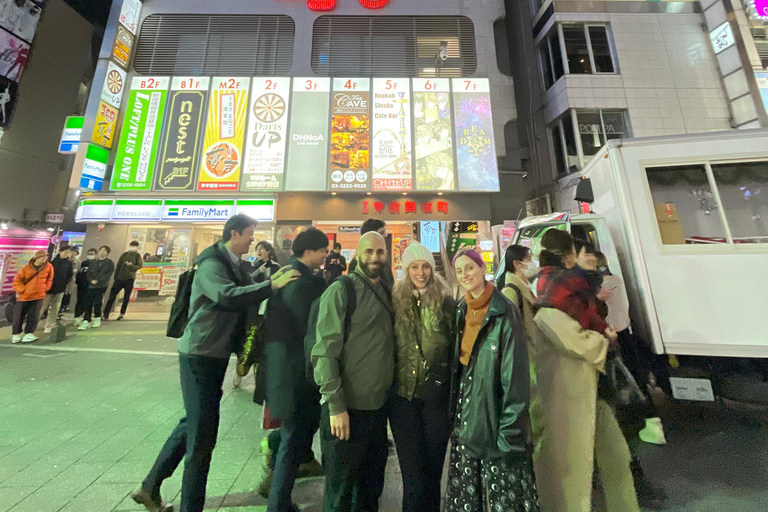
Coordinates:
(329,5)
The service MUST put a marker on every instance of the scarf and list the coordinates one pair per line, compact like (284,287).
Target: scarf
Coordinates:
(476,310)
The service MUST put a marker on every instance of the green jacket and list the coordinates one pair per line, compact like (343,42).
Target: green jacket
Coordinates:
(125,272)
(218,304)
(437,347)
(358,374)
(495,398)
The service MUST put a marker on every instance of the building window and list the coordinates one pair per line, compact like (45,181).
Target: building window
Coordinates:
(711,203)
(413,46)
(585,50)
(760,36)
(579,135)
(215,45)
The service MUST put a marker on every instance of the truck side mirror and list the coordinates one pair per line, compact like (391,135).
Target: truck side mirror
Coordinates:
(584,192)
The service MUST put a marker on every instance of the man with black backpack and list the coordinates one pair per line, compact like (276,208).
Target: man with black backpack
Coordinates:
(222,290)
(290,396)
(353,359)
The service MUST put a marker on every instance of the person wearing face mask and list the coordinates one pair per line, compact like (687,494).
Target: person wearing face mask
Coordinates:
(419,414)
(99,272)
(490,461)
(30,284)
(125,274)
(81,281)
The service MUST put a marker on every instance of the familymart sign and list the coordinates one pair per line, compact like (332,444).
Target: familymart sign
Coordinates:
(173,210)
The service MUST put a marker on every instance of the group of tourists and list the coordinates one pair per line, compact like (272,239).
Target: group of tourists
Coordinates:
(508,376)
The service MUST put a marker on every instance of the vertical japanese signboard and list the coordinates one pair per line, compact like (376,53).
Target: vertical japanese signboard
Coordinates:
(121,50)
(308,145)
(224,133)
(139,137)
(267,131)
(433,134)
(350,134)
(179,151)
(475,150)
(104,127)
(94,167)
(391,140)
(114,83)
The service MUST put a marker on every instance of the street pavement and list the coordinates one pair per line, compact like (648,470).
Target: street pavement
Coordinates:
(82,421)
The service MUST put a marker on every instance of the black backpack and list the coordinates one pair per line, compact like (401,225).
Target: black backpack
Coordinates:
(179,317)
(311,337)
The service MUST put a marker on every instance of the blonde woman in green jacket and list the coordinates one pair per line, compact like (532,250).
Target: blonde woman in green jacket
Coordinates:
(419,411)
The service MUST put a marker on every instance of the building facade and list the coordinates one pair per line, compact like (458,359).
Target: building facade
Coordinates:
(595,71)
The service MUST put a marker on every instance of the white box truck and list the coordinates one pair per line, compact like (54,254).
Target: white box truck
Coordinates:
(684,220)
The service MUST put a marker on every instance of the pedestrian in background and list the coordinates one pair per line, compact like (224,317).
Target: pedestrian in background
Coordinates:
(62,276)
(335,264)
(81,282)
(491,466)
(266,261)
(125,274)
(222,290)
(289,396)
(425,316)
(354,368)
(380,227)
(98,275)
(31,284)
(74,257)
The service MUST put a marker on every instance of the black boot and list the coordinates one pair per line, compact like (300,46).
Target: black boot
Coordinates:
(648,495)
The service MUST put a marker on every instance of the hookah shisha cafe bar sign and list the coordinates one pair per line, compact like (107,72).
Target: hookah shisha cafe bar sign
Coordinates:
(267,134)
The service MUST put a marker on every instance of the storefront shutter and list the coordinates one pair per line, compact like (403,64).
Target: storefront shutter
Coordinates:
(387,46)
(215,45)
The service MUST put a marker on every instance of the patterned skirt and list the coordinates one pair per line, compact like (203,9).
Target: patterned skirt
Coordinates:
(496,485)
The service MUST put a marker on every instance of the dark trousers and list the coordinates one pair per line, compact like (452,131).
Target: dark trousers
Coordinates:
(275,438)
(120,284)
(355,468)
(296,433)
(82,291)
(194,437)
(28,310)
(421,431)
(93,299)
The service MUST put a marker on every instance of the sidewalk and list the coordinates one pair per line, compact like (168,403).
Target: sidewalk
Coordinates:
(82,421)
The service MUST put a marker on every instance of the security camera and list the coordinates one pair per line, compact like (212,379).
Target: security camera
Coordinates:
(443,52)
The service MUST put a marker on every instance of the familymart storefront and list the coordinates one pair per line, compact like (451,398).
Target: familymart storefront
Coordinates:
(171,232)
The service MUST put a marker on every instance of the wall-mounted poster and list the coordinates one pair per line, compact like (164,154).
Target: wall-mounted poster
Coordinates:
(104,128)
(180,149)
(475,150)
(20,17)
(140,134)
(391,128)
(267,131)
(224,133)
(433,134)
(13,55)
(350,134)
(8,92)
(308,146)
(121,50)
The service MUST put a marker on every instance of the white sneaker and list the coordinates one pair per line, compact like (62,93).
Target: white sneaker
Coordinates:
(29,338)
(653,433)
(83,326)
(78,321)
(96,322)
(47,330)
(16,338)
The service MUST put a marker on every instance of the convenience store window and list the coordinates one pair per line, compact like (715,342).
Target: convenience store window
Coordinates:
(579,135)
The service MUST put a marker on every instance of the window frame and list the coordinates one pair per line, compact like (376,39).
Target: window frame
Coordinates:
(573,114)
(729,247)
(558,27)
